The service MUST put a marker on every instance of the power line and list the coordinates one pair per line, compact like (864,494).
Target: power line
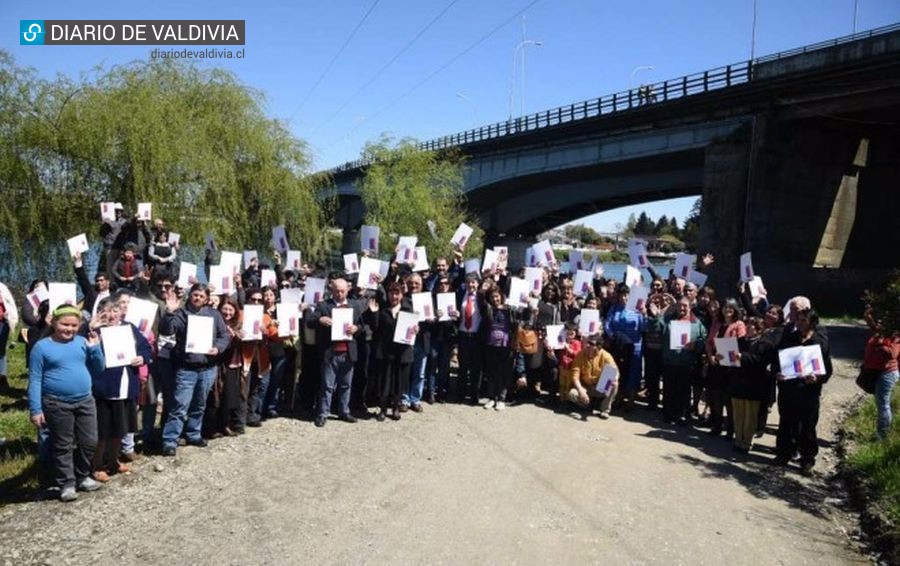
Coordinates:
(334,59)
(440,69)
(384,67)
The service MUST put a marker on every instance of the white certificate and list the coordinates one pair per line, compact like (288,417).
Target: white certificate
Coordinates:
(461,236)
(423,305)
(697,278)
(589,322)
(341,321)
(118,345)
(608,376)
(232,260)
(728,347)
(757,289)
(576,261)
(107,211)
(472,266)
(801,360)
(199,336)
(530,259)
(221,279)
(252,323)
(267,278)
(679,334)
(292,295)
(174,239)
(371,272)
(683,265)
(491,260)
(535,278)
(145,211)
(543,253)
(142,314)
(351,263)
(518,293)
(556,336)
(637,254)
(446,303)
(314,292)
(279,239)
(406,249)
(584,283)
(632,276)
(61,294)
(288,315)
(78,245)
(502,257)
(406,328)
(38,296)
(368,236)
(637,298)
(249,255)
(293,261)
(420,257)
(186,271)
(746,267)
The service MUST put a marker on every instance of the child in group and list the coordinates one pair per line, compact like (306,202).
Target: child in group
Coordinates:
(564,361)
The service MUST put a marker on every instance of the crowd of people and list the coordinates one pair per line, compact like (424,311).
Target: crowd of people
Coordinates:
(344,358)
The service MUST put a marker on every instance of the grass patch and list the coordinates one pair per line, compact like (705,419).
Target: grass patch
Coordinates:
(18,460)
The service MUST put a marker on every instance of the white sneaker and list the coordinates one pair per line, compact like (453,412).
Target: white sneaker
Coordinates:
(89,484)
(489,404)
(604,415)
(499,406)
(68,494)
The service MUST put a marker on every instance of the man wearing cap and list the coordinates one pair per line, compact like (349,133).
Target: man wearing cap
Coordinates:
(585,376)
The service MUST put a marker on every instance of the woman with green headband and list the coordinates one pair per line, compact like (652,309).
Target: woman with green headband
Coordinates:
(59,398)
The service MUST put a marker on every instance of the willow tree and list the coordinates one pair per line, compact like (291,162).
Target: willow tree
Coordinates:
(404,188)
(196,143)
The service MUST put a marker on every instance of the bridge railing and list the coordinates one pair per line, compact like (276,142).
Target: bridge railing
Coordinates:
(632,99)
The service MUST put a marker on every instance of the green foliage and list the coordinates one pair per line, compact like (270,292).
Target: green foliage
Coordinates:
(886,304)
(405,187)
(584,234)
(18,462)
(196,143)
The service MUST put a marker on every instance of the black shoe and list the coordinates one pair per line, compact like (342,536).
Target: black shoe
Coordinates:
(320,422)
(168,451)
(348,418)
(806,469)
(431,398)
(780,461)
(254,424)
(380,417)
(199,443)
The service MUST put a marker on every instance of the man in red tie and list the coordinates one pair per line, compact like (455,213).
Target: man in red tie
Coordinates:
(469,345)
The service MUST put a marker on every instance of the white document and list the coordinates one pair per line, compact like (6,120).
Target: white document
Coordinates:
(632,276)
(292,295)
(78,245)
(420,256)
(576,261)
(728,348)
(199,336)
(584,283)
(406,328)
(221,279)
(249,255)
(697,278)
(268,278)
(589,322)
(145,211)
(314,292)
(461,236)
(502,257)
(107,211)
(801,360)
(746,267)
(288,315)
(341,321)
(491,260)
(423,305)
(186,271)
(38,296)
(637,298)
(556,336)
(406,249)
(684,264)
(174,239)
(61,294)
(369,239)
(210,244)
(757,289)
(118,345)
(293,260)
(370,270)
(472,266)
(446,303)
(530,259)
(351,263)
(679,334)
(608,376)
(637,254)
(518,293)
(232,260)
(142,314)
(279,239)
(543,253)
(535,278)
(252,323)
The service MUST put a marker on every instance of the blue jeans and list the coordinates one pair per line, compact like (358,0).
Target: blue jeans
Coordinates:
(439,370)
(336,374)
(259,385)
(192,386)
(273,392)
(416,376)
(883,388)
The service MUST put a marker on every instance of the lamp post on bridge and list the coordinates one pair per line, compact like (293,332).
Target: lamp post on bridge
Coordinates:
(512,83)
(631,83)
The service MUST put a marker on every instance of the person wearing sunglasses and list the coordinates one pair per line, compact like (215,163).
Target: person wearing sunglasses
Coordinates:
(585,376)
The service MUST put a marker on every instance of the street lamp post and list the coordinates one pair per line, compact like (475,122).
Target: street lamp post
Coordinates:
(512,83)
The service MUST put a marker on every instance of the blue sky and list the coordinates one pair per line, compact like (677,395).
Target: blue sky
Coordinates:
(588,48)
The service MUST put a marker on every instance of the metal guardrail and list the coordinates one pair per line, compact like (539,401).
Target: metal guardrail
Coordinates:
(672,89)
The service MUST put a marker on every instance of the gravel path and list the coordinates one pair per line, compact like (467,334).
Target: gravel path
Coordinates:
(457,485)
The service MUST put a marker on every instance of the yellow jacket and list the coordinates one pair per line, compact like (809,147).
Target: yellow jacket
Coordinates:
(587,369)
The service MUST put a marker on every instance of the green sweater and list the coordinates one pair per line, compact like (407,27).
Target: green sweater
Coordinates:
(683,357)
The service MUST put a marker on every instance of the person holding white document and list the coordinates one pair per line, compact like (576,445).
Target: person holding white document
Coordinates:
(393,359)
(624,328)
(726,323)
(750,384)
(678,363)
(587,367)
(798,398)
(195,373)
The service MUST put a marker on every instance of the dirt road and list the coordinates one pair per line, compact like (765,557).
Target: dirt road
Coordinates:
(455,485)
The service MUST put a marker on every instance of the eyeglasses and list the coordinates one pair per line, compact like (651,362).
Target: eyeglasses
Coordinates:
(255,299)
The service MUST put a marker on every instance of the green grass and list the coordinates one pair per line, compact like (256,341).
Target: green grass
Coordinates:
(18,462)
(877,461)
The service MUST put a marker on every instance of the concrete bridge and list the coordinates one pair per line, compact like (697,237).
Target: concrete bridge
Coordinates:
(796,156)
